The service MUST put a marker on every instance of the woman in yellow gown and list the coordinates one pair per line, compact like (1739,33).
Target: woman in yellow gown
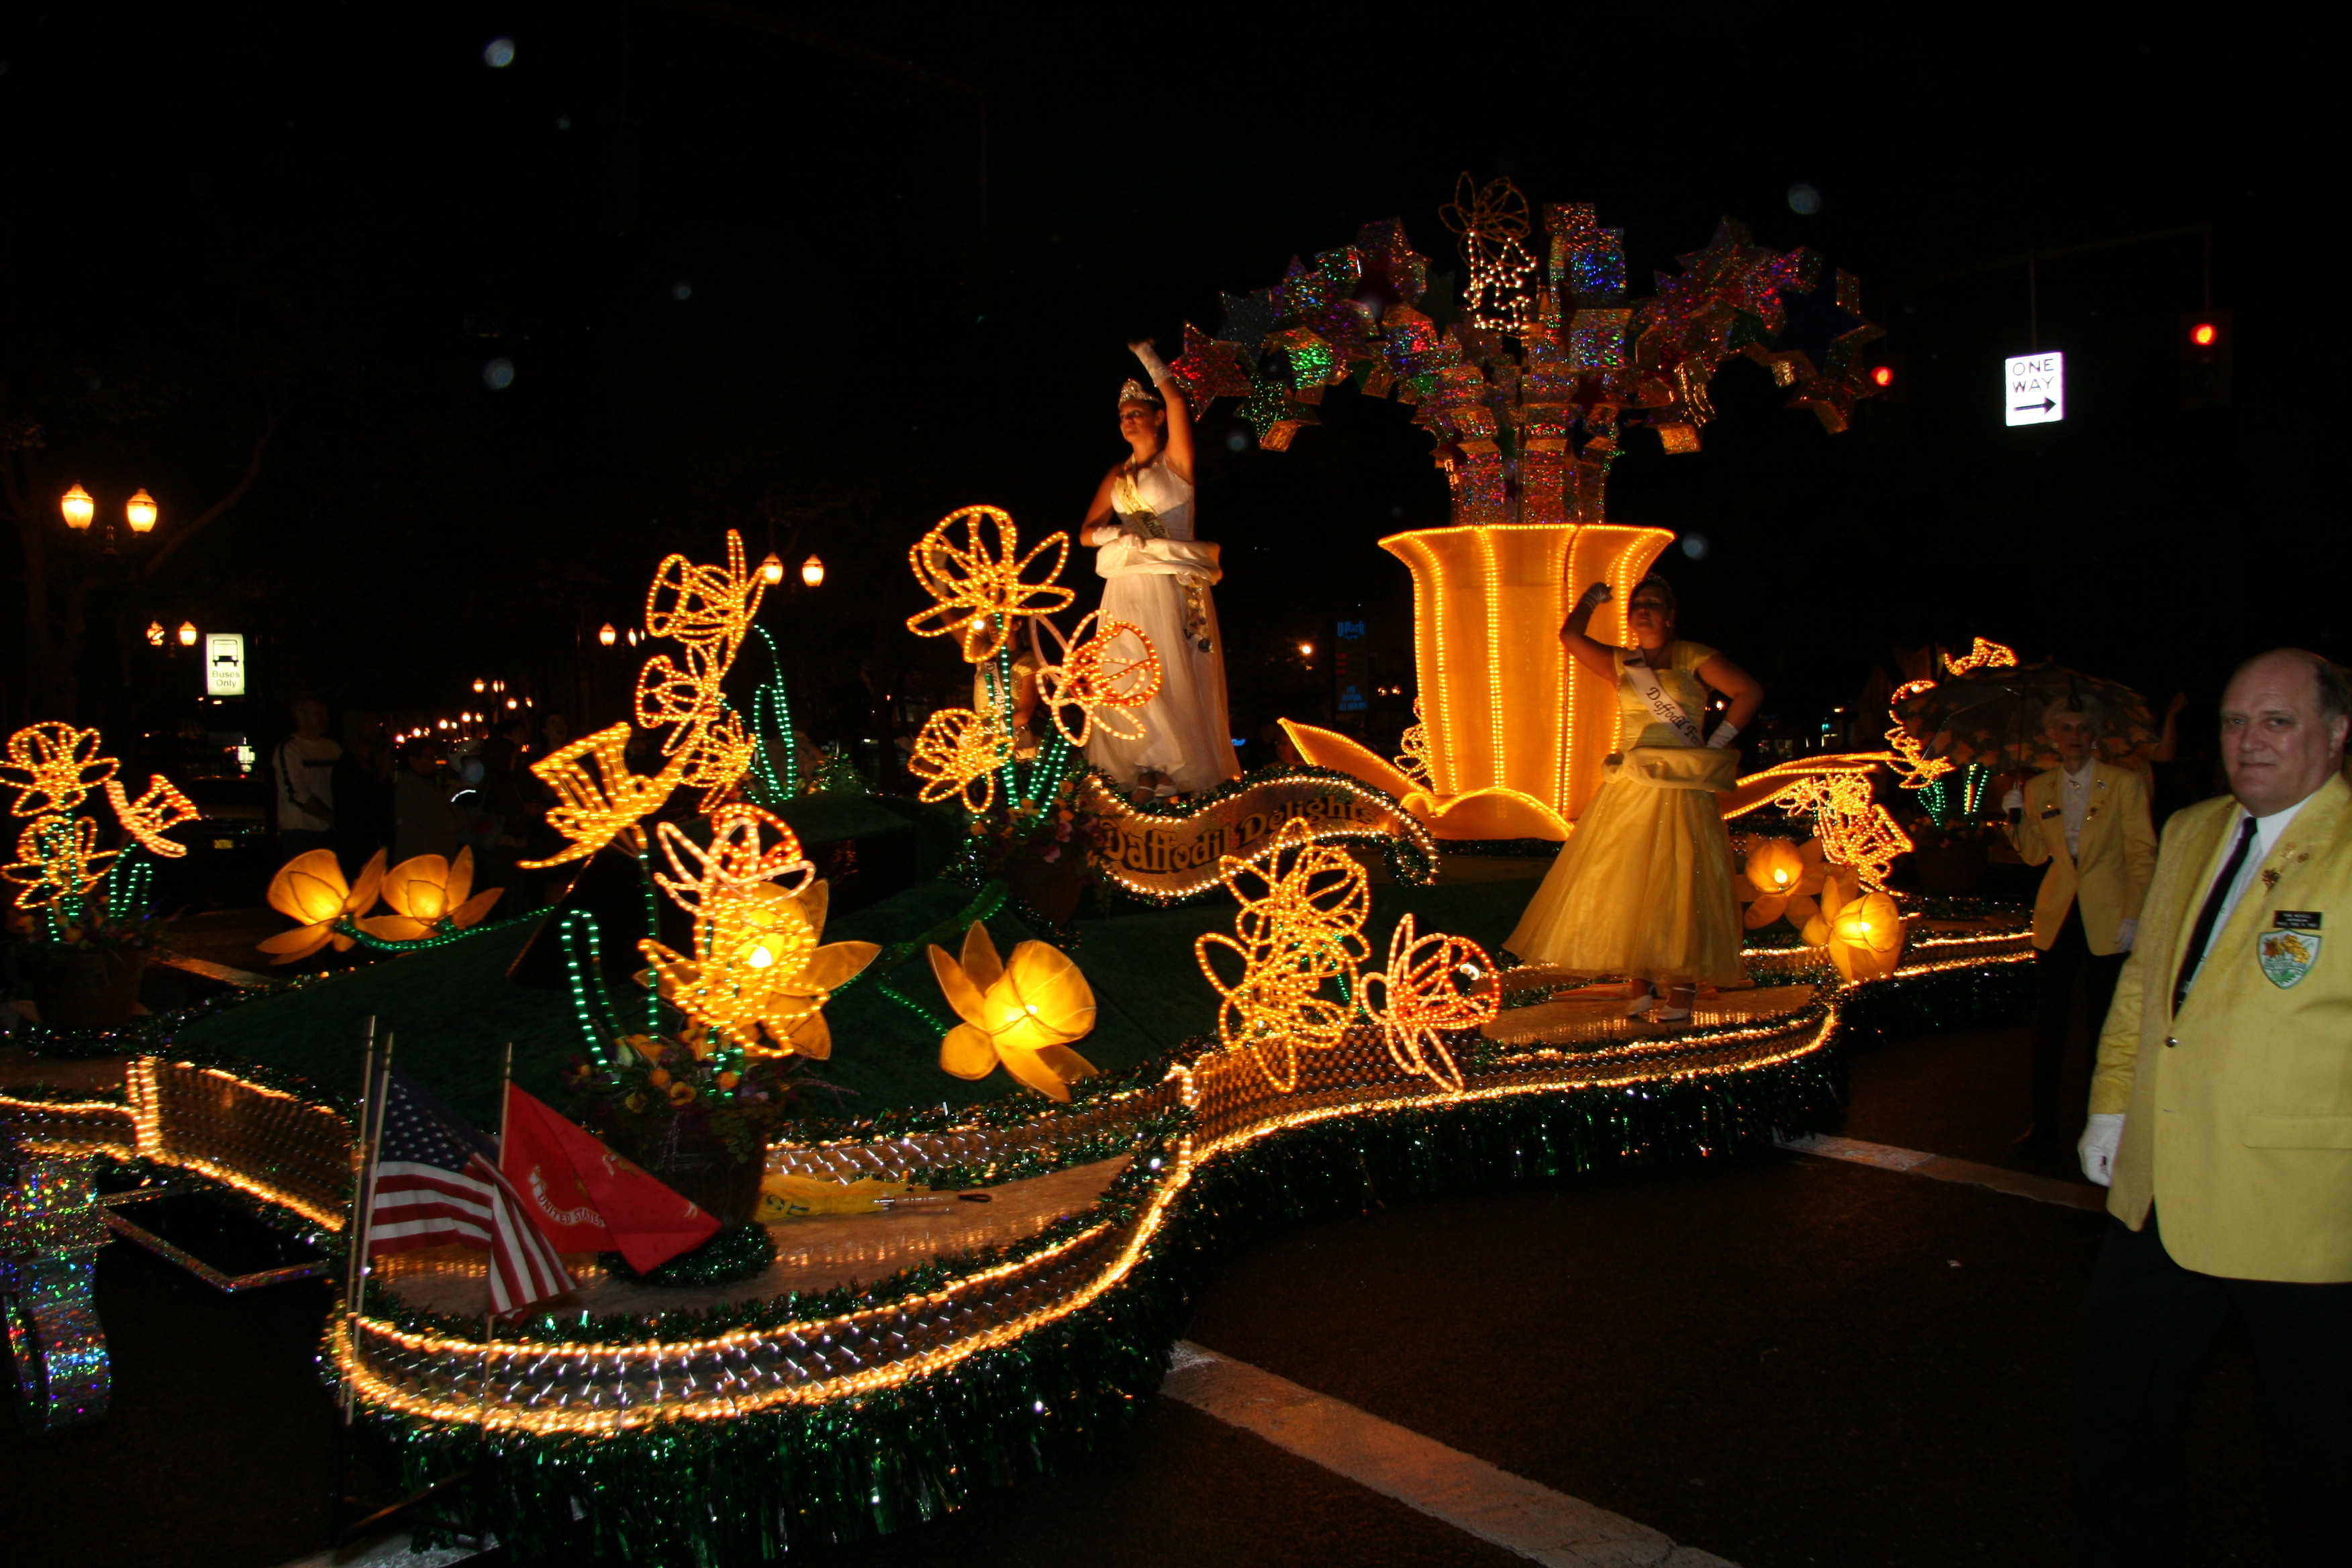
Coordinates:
(1642,888)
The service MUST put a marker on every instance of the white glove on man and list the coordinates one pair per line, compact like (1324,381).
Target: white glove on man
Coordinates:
(2125,934)
(2100,1136)
(2013,801)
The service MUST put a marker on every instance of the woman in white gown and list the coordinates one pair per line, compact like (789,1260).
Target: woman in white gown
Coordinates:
(1156,576)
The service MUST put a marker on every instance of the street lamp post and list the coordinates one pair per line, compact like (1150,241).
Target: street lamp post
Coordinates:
(79,508)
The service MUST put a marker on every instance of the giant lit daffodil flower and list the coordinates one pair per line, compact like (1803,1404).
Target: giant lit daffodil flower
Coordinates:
(310,889)
(425,891)
(1781,879)
(1024,1013)
(764,975)
(1862,930)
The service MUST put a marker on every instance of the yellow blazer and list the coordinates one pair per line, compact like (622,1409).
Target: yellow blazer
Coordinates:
(2238,1112)
(2118,854)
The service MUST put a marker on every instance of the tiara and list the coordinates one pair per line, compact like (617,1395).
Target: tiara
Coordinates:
(1136,392)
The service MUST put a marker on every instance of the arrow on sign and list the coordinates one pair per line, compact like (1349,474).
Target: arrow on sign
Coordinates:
(2046,405)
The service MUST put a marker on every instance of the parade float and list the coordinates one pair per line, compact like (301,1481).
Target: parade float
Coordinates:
(976,1268)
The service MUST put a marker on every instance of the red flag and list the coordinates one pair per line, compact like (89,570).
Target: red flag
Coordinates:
(586,1198)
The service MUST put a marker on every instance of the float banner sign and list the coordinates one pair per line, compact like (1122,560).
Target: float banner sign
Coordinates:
(2034,388)
(224,664)
(1175,857)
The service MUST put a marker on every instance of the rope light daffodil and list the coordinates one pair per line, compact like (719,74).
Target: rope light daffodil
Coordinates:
(599,798)
(957,749)
(971,564)
(1305,928)
(1434,984)
(153,814)
(1023,1015)
(58,860)
(1101,675)
(52,766)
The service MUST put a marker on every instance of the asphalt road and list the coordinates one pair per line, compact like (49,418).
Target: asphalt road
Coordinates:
(1785,1360)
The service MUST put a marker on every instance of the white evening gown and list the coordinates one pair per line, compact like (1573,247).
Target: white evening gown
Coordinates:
(1156,576)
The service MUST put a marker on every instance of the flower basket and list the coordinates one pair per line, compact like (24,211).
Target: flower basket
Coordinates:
(82,989)
(694,1162)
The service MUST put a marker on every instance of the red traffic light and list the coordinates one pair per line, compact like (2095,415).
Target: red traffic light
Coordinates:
(1883,376)
(2202,334)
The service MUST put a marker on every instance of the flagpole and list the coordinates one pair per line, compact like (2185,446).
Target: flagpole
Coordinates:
(372,1123)
(359,1180)
(490,1321)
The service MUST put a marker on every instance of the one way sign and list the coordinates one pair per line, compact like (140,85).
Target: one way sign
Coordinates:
(2036,389)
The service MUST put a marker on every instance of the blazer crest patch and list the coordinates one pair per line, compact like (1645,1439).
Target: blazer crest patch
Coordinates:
(2287,956)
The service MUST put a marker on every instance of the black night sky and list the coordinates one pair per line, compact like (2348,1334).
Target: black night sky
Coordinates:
(825,279)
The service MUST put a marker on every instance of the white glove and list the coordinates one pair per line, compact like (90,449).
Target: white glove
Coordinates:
(1723,733)
(2013,801)
(2125,934)
(1154,366)
(2100,1136)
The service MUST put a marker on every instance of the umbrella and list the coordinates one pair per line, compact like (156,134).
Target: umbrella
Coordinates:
(1993,717)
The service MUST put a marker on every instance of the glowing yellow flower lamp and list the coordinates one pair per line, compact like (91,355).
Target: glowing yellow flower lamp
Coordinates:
(310,889)
(1781,879)
(424,891)
(1866,937)
(1024,1013)
(765,975)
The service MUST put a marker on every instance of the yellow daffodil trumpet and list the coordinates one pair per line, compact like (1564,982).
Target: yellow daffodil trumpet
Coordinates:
(1023,1015)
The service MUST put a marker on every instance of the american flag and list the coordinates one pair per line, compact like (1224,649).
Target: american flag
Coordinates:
(437,1181)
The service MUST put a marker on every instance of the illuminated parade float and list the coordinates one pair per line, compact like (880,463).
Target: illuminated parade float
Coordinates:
(814,1371)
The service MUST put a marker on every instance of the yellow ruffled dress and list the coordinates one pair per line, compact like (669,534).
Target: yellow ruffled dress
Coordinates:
(1642,888)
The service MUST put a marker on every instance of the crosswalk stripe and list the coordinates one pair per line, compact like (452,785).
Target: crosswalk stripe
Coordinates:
(1472,1495)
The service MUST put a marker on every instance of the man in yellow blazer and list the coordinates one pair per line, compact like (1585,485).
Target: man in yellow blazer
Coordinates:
(2222,1121)
(2088,820)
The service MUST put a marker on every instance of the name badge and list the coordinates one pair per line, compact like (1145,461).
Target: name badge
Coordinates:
(2288,950)
(2050,811)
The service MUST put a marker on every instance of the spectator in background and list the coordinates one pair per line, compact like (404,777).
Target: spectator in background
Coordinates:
(302,783)
(423,821)
(2088,821)
(363,797)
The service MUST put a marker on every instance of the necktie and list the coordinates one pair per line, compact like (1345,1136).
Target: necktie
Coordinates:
(2202,932)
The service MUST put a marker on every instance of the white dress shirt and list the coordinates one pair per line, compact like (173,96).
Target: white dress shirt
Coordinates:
(2268,831)
(2075,799)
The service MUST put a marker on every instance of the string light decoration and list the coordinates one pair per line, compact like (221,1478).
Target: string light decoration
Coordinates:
(153,814)
(1098,680)
(708,610)
(971,565)
(53,767)
(430,895)
(735,859)
(309,891)
(599,798)
(57,860)
(1493,221)
(1023,1014)
(1303,931)
(1851,829)
(957,751)
(1412,750)
(762,972)
(1982,655)
(1432,984)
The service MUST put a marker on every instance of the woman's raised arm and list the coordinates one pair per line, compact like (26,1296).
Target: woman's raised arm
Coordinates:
(1176,436)
(1600,657)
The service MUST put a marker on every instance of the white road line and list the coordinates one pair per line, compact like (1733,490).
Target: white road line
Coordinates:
(1941,1168)
(387,1551)
(1539,1524)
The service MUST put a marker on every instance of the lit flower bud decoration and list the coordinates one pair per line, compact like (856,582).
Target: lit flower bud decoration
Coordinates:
(1023,1015)
(761,973)
(309,891)
(959,751)
(1865,937)
(428,896)
(1113,669)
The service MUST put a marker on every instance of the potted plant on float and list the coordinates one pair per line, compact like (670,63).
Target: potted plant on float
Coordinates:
(83,962)
(673,1105)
